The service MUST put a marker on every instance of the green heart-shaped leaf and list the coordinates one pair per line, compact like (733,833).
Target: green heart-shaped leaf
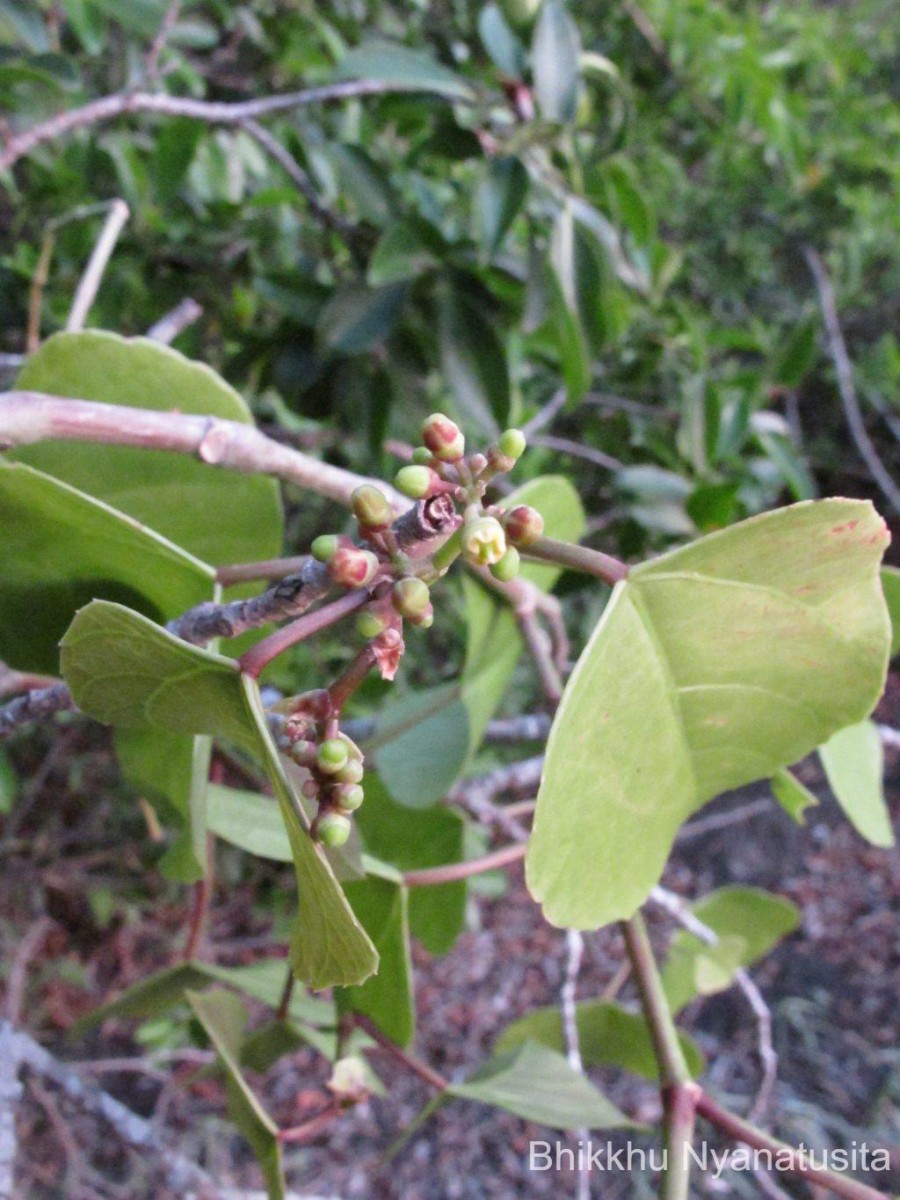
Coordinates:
(712,666)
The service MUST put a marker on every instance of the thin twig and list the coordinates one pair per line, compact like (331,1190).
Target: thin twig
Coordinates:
(18,1049)
(768,1056)
(89,284)
(151,67)
(479,793)
(304,185)
(843,369)
(168,327)
(569,1016)
(259,656)
(36,291)
(18,971)
(214,112)
(577,450)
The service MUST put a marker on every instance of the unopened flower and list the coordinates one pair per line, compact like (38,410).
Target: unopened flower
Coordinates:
(333,829)
(443,438)
(351,567)
(416,482)
(325,546)
(332,755)
(371,507)
(523,525)
(411,598)
(349,796)
(511,443)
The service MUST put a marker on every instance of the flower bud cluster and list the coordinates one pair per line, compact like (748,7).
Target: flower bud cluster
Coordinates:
(398,585)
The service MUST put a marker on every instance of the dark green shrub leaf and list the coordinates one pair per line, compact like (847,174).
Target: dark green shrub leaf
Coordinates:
(473,360)
(499,198)
(556,63)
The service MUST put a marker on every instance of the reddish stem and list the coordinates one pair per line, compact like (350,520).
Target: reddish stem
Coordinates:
(756,1139)
(452,872)
(259,656)
(270,568)
(424,1072)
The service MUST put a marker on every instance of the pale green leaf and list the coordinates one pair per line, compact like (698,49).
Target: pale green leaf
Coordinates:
(890,583)
(854,765)
(713,666)
(748,923)
(537,1084)
(608,1036)
(220,516)
(248,820)
(225,1020)
(175,767)
(793,796)
(124,670)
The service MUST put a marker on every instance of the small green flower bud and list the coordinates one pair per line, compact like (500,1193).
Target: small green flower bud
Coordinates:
(443,438)
(353,751)
(508,566)
(483,541)
(351,567)
(371,507)
(424,620)
(325,547)
(369,625)
(331,756)
(523,525)
(349,796)
(351,772)
(410,597)
(415,482)
(333,829)
(511,443)
(422,456)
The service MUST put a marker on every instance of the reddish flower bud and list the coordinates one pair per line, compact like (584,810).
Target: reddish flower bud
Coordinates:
(443,438)
(351,567)
(523,525)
